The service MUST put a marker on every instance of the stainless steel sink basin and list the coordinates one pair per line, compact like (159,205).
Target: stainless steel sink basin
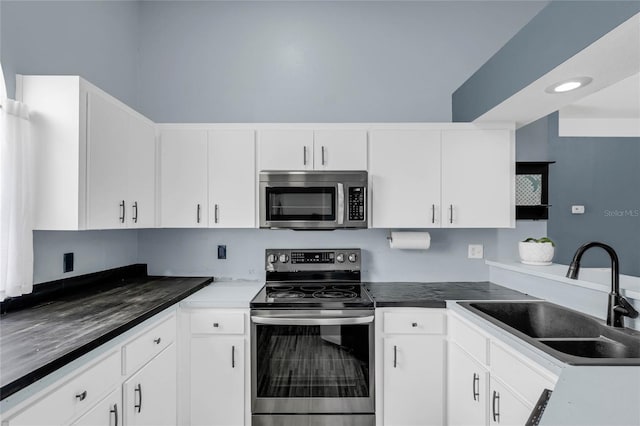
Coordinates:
(570,336)
(594,348)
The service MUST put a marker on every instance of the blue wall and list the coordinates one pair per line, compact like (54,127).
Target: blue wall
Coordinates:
(603,175)
(95,39)
(316,61)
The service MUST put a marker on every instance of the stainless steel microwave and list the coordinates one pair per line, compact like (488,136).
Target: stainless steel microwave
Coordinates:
(313,200)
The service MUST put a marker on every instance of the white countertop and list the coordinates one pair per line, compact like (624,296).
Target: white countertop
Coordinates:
(592,278)
(224,294)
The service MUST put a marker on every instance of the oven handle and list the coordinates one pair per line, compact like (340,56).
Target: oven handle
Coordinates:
(312,321)
(340,204)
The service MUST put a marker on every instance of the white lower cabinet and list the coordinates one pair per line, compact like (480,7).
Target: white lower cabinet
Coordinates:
(489,382)
(219,371)
(107,412)
(505,407)
(467,389)
(217,381)
(150,394)
(410,347)
(105,392)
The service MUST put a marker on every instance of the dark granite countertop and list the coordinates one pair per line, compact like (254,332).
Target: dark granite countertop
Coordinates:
(37,340)
(435,295)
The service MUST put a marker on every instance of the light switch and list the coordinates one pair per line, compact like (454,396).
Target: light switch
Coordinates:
(577,209)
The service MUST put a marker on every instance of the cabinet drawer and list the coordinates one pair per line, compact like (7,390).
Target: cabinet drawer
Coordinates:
(217,322)
(74,397)
(468,338)
(519,373)
(414,321)
(144,347)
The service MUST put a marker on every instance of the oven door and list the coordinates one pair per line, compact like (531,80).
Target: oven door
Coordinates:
(309,362)
(302,205)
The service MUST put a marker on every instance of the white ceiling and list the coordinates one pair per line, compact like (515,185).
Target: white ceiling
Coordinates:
(613,62)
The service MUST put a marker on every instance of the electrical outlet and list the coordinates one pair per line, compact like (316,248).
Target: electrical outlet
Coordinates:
(476,251)
(67,262)
(222,252)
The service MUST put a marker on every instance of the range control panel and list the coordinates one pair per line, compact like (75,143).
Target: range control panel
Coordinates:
(290,260)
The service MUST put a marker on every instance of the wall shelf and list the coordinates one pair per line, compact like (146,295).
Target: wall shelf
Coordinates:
(532,190)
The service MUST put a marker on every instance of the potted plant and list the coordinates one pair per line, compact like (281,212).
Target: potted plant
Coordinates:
(536,251)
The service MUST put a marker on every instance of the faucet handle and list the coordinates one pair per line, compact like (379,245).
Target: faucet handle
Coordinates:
(625,308)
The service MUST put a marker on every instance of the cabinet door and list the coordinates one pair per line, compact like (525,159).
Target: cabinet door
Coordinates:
(404,169)
(467,389)
(505,408)
(150,395)
(478,175)
(413,380)
(232,183)
(107,412)
(141,173)
(217,381)
(106,164)
(285,150)
(183,178)
(340,150)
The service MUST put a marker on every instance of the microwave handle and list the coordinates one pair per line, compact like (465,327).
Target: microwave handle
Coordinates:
(340,204)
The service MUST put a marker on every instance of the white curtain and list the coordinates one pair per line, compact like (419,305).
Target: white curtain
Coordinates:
(16,218)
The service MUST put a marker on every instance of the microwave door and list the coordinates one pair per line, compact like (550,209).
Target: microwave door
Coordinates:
(301,206)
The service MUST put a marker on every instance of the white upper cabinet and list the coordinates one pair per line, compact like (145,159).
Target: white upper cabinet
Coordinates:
(93,157)
(183,178)
(340,150)
(478,179)
(232,183)
(120,166)
(285,150)
(404,172)
(141,177)
(306,149)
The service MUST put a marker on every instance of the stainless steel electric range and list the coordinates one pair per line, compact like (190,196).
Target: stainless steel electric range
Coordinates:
(312,346)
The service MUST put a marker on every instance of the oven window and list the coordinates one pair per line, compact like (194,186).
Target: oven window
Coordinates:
(315,203)
(322,361)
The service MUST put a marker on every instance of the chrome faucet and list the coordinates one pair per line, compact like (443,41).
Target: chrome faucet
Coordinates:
(618,306)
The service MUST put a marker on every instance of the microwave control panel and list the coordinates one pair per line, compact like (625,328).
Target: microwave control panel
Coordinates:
(356,203)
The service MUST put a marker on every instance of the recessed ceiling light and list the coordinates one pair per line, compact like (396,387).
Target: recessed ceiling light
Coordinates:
(568,85)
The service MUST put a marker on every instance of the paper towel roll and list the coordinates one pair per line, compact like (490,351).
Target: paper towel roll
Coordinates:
(410,240)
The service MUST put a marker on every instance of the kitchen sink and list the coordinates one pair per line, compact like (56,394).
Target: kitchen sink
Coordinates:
(572,337)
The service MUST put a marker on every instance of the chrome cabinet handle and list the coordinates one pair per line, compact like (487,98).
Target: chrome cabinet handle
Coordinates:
(395,356)
(496,403)
(198,214)
(450,213)
(414,324)
(157,341)
(81,396)
(233,356)
(122,211)
(216,325)
(433,213)
(304,155)
(476,382)
(138,390)
(216,208)
(135,212)
(322,150)
(114,411)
